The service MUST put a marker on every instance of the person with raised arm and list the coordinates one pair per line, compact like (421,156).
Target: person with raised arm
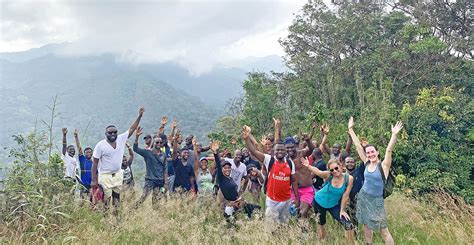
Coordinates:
(370,201)
(228,187)
(107,161)
(85,166)
(280,181)
(128,180)
(155,166)
(332,197)
(183,172)
(202,172)
(70,162)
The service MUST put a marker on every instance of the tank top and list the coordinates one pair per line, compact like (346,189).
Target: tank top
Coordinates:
(330,196)
(373,182)
(204,182)
(127,176)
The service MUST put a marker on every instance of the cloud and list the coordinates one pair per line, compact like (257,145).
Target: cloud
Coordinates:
(195,34)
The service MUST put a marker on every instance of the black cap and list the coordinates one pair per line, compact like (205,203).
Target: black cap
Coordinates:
(147,137)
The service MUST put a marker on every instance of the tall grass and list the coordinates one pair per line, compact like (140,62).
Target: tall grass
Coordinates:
(179,220)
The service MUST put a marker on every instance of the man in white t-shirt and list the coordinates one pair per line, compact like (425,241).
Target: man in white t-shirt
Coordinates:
(239,171)
(70,162)
(107,159)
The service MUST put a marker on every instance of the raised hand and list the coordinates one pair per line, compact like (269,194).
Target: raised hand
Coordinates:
(64,131)
(174,124)
(305,137)
(314,125)
(127,144)
(215,146)
(194,141)
(139,131)
(246,132)
(304,161)
(140,112)
(234,141)
(277,122)
(164,120)
(326,129)
(263,140)
(76,132)
(396,129)
(350,125)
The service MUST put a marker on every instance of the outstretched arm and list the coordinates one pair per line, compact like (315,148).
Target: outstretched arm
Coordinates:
(174,142)
(360,149)
(315,170)
(246,136)
(64,141)
(387,161)
(78,144)
(134,126)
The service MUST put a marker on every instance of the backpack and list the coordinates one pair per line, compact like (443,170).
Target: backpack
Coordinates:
(388,183)
(270,165)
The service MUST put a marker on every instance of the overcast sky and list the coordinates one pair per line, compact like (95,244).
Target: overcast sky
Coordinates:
(196,34)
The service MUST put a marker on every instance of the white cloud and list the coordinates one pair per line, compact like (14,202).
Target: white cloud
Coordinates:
(195,34)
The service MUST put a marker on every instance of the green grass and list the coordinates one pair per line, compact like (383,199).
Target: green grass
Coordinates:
(180,221)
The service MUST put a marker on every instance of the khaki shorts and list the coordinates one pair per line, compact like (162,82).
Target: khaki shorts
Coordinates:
(111,182)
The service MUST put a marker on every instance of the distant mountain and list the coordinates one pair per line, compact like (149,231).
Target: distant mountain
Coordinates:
(96,91)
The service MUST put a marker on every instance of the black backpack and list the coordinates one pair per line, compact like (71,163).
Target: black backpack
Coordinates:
(270,165)
(388,183)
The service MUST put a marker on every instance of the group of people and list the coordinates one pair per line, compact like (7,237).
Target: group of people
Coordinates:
(291,173)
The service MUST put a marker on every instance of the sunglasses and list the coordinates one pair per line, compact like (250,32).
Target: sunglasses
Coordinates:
(333,169)
(158,142)
(112,132)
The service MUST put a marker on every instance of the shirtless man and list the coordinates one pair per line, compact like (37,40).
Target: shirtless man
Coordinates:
(303,175)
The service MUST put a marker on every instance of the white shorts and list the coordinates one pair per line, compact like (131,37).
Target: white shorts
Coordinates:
(111,182)
(277,211)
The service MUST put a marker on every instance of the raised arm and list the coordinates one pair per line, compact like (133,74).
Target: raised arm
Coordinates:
(307,151)
(325,130)
(246,136)
(164,120)
(315,170)
(78,144)
(174,124)
(64,149)
(348,145)
(313,128)
(134,125)
(130,154)
(387,161)
(345,198)
(355,139)
(277,135)
(323,142)
(196,156)
(174,142)
(137,149)
(217,159)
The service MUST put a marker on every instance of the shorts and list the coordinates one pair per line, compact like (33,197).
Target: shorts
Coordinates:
(111,182)
(277,211)
(306,195)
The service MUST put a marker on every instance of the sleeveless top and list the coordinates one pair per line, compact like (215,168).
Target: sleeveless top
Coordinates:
(330,196)
(127,176)
(373,182)
(204,182)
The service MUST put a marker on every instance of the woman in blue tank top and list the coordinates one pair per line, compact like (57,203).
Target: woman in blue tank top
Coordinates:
(333,197)
(370,203)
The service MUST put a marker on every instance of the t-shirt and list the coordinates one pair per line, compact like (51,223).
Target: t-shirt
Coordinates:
(318,181)
(237,172)
(279,181)
(182,173)
(358,174)
(70,165)
(110,159)
(86,170)
(128,176)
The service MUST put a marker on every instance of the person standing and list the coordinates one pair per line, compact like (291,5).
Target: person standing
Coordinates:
(107,161)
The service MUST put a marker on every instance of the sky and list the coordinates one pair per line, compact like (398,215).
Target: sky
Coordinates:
(195,34)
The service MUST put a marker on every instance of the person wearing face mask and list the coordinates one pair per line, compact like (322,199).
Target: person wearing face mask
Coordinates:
(333,197)
(370,200)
